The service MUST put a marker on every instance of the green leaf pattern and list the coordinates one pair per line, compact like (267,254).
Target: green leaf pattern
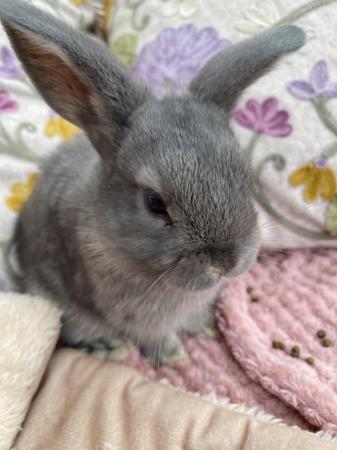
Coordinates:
(331,217)
(125,48)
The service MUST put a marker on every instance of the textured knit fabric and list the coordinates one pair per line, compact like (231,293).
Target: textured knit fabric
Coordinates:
(212,370)
(284,301)
(296,300)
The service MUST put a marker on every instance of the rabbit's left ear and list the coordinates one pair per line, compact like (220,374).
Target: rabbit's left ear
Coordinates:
(228,73)
(74,73)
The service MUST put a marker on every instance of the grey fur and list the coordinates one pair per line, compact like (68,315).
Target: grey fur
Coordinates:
(85,238)
(244,63)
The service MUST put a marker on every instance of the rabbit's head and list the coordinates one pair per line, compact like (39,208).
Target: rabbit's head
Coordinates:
(170,190)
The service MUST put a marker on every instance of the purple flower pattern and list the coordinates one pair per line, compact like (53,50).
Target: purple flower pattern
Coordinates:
(320,161)
(10,67)
(264,118)
(319,84)
(6,104)
(170,62)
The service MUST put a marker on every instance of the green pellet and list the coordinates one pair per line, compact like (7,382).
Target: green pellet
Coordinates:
(278,345)
(321,334)
(326,343)
(310,361)
(295,351)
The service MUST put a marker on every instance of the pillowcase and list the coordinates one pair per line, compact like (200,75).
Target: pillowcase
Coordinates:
(29,130)
(286,122)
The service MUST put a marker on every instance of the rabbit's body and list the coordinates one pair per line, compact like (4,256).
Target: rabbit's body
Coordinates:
(72,263)
(134,229)
(79,269)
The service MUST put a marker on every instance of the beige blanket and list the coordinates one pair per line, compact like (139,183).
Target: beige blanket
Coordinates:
(85,403)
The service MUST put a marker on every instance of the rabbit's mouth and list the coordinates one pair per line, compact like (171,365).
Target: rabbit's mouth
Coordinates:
(200,283)
(186,277)
(191,276)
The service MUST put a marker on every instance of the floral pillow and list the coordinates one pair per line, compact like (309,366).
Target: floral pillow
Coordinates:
(286,122)
(28,128)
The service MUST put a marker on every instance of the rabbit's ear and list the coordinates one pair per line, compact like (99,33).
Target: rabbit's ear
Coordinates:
(74,73)
(228,73)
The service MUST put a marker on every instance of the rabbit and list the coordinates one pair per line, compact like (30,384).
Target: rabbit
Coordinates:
(138,223)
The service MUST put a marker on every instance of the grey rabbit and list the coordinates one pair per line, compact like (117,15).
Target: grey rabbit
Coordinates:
(136,224)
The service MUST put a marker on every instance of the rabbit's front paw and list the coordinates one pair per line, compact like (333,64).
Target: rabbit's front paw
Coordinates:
(167,352)
(114,350)
(204,326)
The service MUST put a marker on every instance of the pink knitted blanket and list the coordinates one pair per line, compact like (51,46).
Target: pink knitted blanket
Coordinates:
(277,342)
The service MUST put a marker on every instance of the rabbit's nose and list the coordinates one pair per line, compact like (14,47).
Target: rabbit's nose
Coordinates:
(212,270)
(223,260)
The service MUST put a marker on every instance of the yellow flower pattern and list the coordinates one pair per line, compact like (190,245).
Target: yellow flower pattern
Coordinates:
(78,2)
(21,192)
(318,179)
(57,126)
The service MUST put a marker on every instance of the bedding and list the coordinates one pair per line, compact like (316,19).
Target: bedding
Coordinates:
(29,129)
(286,124)
(73,401)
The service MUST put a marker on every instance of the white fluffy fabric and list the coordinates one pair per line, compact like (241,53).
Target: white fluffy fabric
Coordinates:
(29,331)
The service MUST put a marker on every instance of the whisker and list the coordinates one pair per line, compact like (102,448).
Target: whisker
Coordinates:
(159,278)
(154,305)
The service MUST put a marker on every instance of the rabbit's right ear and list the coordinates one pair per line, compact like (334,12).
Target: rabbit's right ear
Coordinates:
(74,73)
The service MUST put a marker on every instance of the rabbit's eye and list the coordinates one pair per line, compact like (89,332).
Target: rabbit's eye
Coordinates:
(156,204)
